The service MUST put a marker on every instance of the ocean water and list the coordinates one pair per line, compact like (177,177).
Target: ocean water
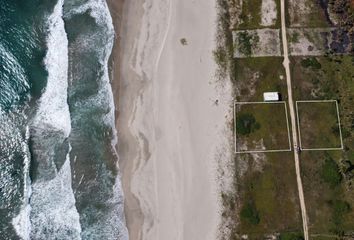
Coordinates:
(59,176)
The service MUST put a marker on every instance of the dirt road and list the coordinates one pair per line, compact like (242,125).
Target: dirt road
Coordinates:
(293,121)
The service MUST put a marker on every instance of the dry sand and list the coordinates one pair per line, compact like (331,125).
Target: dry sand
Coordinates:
(169,126)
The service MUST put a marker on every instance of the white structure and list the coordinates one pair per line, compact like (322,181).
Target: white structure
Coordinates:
(271,96)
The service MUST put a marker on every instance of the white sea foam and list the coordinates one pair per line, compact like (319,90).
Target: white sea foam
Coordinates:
(53,212)
(21,222)
(114,222)
(53,111)
(117,217)
(98,10)
(54,215)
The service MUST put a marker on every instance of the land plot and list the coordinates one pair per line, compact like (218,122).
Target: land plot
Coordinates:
(268,200)
(328,176)
(319,125)
(329,201)
(257,43)
(317,41)
(307,13)
(254,76)
(254,14)
(261,127)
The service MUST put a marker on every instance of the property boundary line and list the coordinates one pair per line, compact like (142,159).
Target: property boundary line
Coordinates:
(339,126)
(262,151)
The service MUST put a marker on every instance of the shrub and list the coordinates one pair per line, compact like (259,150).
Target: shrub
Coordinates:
(250,214)
(220,57)
(291,236)
(246,124)
(245,43)
(330,172)
(311,62)
(340,208)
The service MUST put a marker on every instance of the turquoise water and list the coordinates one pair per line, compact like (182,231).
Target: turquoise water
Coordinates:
(58,165)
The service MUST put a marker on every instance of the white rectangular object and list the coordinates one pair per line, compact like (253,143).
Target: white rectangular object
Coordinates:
(271,96)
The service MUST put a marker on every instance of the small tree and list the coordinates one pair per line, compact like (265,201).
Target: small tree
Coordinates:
(246,124)
(330,172)
(250,214)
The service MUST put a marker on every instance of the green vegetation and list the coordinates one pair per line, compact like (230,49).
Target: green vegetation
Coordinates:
(245,42)
(330,172)
(250,17)
(311,62)
(250,214)
(268,195)
(261,126)
(340,209)
(344,11)
(319,125)
(253,76)
(291,236)
(328,177)
(314,15)
(294,37)
(221,58)
(264,199)
(251,14)
(246,124)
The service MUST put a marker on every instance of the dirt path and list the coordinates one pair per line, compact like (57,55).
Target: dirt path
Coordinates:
(293,121)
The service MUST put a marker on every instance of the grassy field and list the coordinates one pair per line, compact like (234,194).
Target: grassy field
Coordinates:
(253,76)
(261,127)
(324,116)
(265,199)
(268,200)
(328,176)
(328,201)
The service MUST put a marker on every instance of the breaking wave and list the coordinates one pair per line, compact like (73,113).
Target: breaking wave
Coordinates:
(59,175)
(53,213)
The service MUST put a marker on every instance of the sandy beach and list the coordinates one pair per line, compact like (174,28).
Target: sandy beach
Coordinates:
(170,117)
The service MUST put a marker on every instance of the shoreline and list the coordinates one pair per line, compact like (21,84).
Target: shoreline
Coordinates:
(123,100)
(169,174)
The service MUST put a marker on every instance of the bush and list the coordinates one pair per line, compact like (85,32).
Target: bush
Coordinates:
(220,57)
(291,236)
(311,62)
(250,214)
(330,172)
(245,43)
(246,124)
(340,208)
